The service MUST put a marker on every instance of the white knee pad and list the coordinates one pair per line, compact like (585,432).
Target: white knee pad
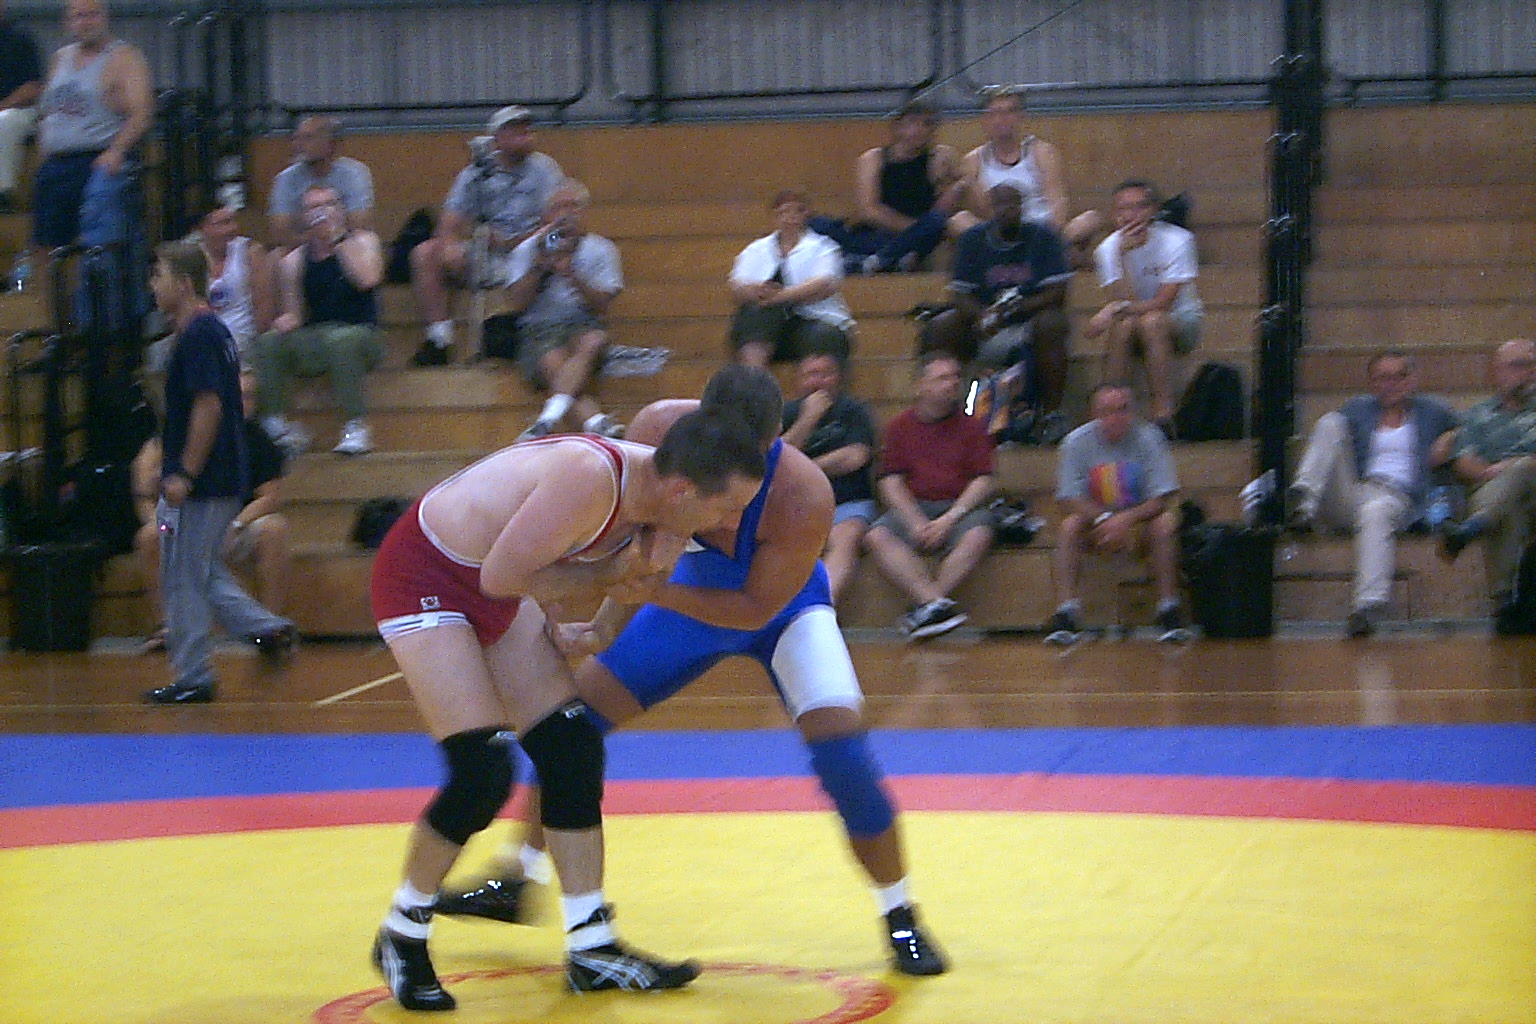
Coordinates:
(812,664)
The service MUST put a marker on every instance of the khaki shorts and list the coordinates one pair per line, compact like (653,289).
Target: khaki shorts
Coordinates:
(535,341)
(933,509)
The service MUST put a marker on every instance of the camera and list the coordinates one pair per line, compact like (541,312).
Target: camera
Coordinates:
(482,150)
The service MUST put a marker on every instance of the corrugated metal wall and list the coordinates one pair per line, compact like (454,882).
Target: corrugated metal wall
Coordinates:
(411,51)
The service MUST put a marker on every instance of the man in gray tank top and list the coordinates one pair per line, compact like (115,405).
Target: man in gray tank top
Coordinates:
(95,108)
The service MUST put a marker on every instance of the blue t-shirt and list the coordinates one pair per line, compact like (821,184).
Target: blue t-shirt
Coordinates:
(204,359)
(986,265)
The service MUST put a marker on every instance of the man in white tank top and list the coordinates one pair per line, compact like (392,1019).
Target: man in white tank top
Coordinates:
(239,277)
(1010,156)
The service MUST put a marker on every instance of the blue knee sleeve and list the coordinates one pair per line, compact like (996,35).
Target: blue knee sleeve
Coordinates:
(850,777)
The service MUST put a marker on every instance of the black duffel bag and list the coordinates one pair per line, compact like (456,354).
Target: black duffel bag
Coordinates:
(1229,570)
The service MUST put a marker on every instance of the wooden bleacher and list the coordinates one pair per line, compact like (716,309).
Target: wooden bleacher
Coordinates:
(1414,249)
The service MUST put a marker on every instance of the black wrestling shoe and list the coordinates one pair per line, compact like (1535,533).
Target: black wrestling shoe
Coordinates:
(911,952)
(407,969)
(612,966)
(276,648)
(181,693)
(495,899)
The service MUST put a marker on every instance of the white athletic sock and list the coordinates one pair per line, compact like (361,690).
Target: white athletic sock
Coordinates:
(1166,603)
(576,910)
(408,898)
(1072,607)
(536,865)
(440,333)
(554,407)
(889,897)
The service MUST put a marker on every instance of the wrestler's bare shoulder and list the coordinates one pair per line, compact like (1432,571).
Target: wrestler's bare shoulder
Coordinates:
(800,497)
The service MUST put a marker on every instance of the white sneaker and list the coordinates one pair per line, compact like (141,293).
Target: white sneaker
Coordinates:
(355,439)
(536,429)
(286,434)
(604,425)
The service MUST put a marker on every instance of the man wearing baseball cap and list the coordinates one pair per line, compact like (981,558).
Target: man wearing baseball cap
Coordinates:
(505,188)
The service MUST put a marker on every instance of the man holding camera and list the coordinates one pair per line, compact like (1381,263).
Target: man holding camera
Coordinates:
(560,281)
(503,191)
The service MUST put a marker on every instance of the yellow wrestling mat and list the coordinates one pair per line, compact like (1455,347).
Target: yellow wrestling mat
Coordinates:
(1047,918)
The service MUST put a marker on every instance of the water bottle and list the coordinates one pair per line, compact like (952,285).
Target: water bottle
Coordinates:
(21,273)
(1438,512)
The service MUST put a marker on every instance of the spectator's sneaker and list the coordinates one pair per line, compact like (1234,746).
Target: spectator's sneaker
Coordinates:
(1301,509)
(604,425)
(911,952)
(1063,629)
(633,361)
(933,619)
(276,648)
(538,428)
(1455,538)
(408,972)
(495,899)
(1360,624)
(430,354)
(355,439)
(181,693)
(287,435)
(872,264)
(1171,628)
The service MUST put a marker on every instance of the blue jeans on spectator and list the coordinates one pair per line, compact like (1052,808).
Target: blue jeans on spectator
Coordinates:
(860,241)
(75,203)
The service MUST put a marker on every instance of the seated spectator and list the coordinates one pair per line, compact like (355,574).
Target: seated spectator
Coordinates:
(94,110)
(315,142)
(909,194)
(1495,454)
(257,538)
(561,280)
(1147,269)
(837,431)
(1009,286)
(1367,469)
(21,83)
(1012,156)
(935,479)
(1116,481)
(787,284)
(504,190)
(240,291)
(328,323)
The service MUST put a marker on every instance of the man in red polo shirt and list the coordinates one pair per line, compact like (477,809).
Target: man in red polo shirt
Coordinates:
(935,479)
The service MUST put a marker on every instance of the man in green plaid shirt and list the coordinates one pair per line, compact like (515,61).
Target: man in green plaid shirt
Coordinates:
(1495,455)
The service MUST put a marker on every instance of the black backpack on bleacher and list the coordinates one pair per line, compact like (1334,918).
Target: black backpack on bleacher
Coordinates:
(1212,406)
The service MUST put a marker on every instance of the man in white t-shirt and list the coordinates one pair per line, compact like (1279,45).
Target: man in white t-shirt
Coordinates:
(1367,469)
(788,286)
(1147,269)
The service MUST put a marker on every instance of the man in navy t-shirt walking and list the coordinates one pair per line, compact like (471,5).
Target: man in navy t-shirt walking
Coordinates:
(202,478)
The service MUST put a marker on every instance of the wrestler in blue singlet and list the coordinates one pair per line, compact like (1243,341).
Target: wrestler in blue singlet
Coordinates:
(659,652)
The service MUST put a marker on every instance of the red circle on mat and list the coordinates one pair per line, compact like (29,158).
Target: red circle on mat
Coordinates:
(862,998)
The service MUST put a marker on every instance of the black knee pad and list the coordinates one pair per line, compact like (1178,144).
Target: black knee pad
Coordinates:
(567,753)
(480,776)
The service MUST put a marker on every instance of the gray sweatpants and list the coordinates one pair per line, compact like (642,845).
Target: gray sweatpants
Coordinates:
(198,589)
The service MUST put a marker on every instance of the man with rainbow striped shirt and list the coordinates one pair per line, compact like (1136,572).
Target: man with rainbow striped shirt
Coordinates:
(1115,478)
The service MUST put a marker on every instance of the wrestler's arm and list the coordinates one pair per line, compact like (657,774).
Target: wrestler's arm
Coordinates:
(526,558)
(795,531)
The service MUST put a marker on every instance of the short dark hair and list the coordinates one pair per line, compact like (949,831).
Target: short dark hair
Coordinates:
(185,259)
(993,93)
(933,355)
(749,392)
(1141,183)
(1388,353)
(789,195)
(707,447)
(916,108)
